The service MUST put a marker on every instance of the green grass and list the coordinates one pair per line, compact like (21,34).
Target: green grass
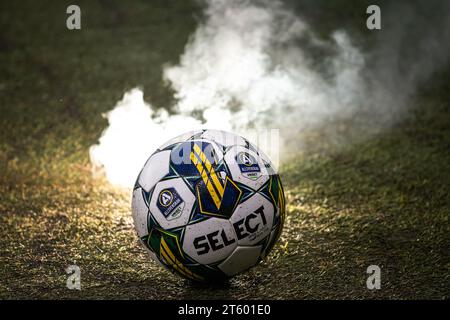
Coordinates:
(383,201)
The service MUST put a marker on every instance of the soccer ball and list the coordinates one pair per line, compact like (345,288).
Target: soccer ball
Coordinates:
(208,205)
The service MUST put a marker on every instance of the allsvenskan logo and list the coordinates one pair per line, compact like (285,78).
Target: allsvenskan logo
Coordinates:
(217,196)
(166,198)
(170,203)
(246,159)
(248,165)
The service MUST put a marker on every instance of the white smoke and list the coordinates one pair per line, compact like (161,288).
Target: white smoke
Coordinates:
(231,64)
(239,71)
(134,132)
(243,68)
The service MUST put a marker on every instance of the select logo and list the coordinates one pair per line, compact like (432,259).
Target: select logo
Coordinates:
(170,203)
(250,227)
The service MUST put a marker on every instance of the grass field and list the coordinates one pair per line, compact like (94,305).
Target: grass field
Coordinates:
(384,201)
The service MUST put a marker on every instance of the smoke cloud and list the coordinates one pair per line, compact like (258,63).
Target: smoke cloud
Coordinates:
(256,64)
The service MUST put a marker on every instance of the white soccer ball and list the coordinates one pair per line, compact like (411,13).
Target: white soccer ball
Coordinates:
(208,205)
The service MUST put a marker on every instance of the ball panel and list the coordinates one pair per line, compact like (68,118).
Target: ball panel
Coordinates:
(156,167)
(209,241)
(199,162)
(140,212)
(240,260)
(171,203)
(271,168)
(189,158)
(246,167)
(252,220)
(276,192)
(166,246)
